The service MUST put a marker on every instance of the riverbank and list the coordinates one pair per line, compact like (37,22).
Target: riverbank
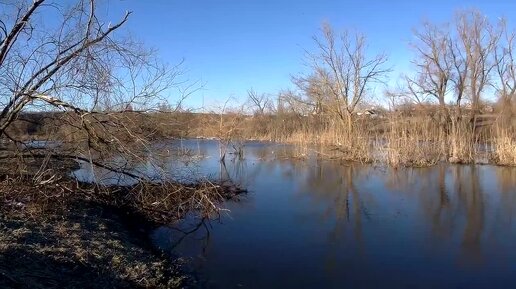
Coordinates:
(58,233)
(413,138)
(85,246)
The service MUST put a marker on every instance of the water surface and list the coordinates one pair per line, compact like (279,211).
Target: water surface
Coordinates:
(312,223)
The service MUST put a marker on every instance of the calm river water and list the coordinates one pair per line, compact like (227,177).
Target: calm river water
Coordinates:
(311,223)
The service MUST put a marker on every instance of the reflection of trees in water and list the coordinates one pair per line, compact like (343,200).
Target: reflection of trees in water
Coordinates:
(320,180)
(238,171)
(430,189)
(456,205)
(505,215)
(506,180)
(471,200)
(335,186)
(451,201)
(335,183)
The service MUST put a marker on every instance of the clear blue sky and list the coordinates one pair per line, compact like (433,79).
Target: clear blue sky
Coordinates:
(233,45)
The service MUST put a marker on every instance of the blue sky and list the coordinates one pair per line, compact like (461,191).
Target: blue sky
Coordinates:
(233,45)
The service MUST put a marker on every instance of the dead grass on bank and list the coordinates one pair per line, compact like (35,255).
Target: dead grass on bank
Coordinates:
(395,139)
(462,143)
(337,140)
(58,233)
(158,202)
(504,147)
(413,142)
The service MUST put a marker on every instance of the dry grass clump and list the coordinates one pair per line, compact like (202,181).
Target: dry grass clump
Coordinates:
(343,144)
(55,234)
(395,139)
(400,137)
(504,148)
(412,142)
(462,142)
(412,152)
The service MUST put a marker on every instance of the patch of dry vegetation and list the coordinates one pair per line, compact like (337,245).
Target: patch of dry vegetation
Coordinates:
(84,247)
(504,147)
(395,138)
(58,233)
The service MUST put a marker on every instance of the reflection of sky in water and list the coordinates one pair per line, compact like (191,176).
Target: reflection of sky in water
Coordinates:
(309,223)
(186,160)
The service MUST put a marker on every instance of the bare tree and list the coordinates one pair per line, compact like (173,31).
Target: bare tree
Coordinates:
(506,68)
(82,69)
(290,101)
(433,68)
(456,62)
(316,96)
(228,131)
(474,49)
(460,69)
(345,70)
(261,102)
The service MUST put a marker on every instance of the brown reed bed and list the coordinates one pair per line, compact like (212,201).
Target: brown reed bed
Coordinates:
(392,139)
